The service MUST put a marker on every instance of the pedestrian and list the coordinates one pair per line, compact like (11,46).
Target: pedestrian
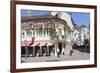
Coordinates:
(71,52)
(58,53)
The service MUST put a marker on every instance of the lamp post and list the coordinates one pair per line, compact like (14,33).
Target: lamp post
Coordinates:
(56,48)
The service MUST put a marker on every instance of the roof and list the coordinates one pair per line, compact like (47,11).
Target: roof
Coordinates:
(46,16)
(36,21)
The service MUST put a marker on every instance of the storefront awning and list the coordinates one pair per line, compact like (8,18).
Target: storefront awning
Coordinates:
(28,42)
(35,44)
(25,43)
(46,44)
(42,44)
(49,44)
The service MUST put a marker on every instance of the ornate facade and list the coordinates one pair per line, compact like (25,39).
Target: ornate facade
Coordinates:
(52,34)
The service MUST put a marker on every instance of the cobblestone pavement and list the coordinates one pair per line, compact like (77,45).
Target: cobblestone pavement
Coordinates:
(77,55)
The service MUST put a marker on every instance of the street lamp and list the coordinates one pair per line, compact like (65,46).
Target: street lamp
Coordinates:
(56,49)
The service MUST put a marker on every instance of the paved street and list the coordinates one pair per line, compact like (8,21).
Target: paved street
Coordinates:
(77,55)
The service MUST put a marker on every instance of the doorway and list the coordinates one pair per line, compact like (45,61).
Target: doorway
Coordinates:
(60,47)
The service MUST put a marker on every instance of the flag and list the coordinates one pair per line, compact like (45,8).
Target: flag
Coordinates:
(32,41)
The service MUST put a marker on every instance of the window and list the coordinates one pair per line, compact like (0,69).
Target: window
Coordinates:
(33,31)
(29,33)
(47,31)
(40,32)
(44,31)
(37,32)
(23,34)
(60,31)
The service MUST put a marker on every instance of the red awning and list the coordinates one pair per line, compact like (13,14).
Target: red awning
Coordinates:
(25,43)
(42,44)
(35,44)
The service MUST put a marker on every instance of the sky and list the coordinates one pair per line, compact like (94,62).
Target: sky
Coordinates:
(79,18)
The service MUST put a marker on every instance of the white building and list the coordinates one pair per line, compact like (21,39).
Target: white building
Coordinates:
(81,34)
(52,33)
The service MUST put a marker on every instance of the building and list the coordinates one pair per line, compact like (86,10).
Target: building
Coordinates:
(84,34)
(52,34)
(82,38)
